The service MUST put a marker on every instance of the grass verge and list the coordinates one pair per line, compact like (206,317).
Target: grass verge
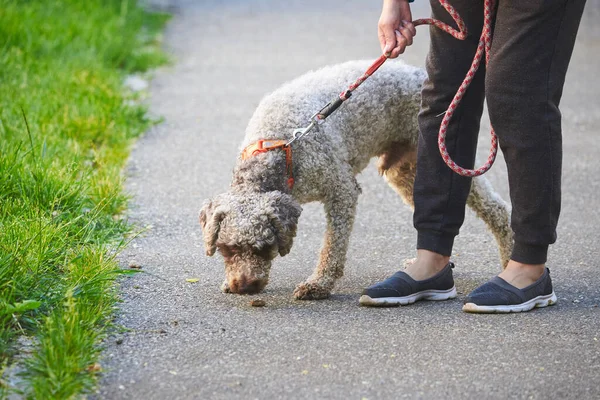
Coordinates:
(66,126)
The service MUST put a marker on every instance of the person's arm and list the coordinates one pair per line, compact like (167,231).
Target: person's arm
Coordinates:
(395,29)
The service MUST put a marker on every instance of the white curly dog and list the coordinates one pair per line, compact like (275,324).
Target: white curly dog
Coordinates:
(257,218)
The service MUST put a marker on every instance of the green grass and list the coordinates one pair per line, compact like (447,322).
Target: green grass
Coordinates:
(66,126)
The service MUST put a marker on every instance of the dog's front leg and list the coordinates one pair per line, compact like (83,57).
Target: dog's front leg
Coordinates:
(340,209)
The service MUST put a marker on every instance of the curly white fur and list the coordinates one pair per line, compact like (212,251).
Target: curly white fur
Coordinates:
(257,218)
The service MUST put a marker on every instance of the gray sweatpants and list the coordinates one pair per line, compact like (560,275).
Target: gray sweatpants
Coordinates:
(531,49)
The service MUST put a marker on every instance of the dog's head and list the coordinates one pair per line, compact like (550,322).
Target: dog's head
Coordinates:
(249,229)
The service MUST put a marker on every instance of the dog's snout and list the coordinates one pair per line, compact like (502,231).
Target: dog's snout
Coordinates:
(244,285)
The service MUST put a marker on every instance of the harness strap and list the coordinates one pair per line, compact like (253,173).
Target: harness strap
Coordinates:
(263,145)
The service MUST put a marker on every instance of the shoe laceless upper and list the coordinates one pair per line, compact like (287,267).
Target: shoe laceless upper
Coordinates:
(497,292)
(401,285)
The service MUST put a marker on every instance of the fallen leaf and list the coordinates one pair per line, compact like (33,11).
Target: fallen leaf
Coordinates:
(258,303)
(305,372)
(192,280)
(95,367)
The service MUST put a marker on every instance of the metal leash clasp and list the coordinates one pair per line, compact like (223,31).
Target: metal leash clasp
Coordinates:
(299,133)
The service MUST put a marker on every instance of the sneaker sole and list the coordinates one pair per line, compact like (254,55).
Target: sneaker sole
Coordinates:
(433,295)
(537,302)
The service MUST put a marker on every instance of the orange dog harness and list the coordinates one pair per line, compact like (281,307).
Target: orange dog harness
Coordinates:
(262,146)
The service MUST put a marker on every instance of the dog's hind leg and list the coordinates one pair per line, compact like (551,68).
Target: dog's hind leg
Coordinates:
(340,208)
(398,167)
(495,212)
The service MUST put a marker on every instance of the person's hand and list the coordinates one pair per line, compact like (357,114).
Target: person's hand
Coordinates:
(395,29)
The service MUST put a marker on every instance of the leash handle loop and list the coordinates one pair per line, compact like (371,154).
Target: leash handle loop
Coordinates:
(461,34)
(484,46)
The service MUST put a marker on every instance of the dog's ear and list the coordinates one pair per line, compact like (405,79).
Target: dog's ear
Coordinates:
(211,216)
(284,219)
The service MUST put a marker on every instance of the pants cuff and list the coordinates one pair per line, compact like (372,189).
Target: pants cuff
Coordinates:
(529,254)
(435,241)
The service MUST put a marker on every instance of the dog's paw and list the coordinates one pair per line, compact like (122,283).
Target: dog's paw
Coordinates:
(225,287)
(311,291)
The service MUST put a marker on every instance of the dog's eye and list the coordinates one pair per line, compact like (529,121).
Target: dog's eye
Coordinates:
(265,252)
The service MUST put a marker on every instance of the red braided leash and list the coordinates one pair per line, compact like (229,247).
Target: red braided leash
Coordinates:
(485,42)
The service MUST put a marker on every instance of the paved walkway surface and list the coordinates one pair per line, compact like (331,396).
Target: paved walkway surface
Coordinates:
(189,341)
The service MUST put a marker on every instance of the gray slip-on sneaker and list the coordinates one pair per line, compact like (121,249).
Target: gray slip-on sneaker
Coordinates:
(499,296)
(401,289)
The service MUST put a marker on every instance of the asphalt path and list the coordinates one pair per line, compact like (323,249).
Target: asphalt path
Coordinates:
(187,340)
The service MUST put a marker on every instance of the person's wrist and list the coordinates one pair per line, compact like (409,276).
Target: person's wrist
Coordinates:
(395,3)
